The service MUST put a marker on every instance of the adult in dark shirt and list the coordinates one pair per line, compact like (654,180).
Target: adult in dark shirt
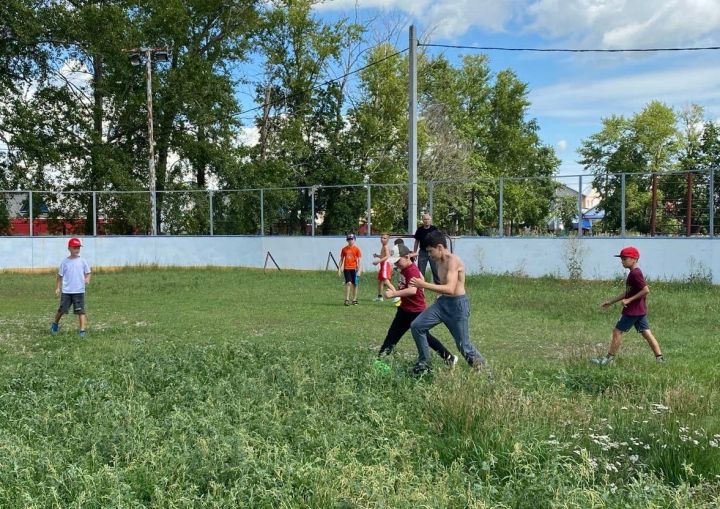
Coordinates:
(634,311)
(421,242)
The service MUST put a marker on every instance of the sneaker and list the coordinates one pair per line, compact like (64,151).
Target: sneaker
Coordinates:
(603,361)
(378,299)
(482,367)
(355,303)
(660,359)
(397,302)
(54,328)
(82,333)
(451,361)
(421,369)
(347,302)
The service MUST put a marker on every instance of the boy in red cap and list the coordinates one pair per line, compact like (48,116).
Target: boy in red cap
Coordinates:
(634,311)
(73,275)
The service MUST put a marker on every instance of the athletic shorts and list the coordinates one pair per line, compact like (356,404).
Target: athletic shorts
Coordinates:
(626,322)
(350,276)
(76,299)
(384,271)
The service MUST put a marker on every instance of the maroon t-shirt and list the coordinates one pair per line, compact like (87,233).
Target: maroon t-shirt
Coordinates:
(413,303)
(634,283)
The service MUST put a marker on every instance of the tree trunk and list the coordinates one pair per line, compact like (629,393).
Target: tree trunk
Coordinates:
(653,206)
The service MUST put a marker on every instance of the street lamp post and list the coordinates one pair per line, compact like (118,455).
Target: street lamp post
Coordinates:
(136,58)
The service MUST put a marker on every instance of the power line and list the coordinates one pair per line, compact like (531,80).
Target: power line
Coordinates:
(570,50)
(325,83)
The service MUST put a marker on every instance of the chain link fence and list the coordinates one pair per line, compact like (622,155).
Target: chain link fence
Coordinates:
(685,204)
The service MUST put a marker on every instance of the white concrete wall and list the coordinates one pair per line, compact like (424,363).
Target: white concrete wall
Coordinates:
(661,259)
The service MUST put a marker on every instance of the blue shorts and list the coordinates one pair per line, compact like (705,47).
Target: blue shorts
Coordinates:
(626,322)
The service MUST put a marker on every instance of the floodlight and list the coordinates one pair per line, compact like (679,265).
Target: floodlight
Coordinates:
(162,55)
(135,59)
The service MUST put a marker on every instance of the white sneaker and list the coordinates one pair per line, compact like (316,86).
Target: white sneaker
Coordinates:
(378,299)
(451,361)
(602,361)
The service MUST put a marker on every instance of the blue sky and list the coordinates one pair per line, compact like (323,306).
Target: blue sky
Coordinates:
(571,93)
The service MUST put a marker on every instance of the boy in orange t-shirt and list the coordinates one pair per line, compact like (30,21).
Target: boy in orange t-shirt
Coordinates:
(350,266)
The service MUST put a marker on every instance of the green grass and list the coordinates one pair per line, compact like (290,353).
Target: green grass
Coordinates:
(235,388)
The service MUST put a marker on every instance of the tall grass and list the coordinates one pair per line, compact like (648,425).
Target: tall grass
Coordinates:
(236,388)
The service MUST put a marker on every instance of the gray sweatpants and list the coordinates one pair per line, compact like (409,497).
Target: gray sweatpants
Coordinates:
(454,312)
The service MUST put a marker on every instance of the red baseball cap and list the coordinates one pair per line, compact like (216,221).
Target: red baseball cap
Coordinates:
(74,242)
(629,252)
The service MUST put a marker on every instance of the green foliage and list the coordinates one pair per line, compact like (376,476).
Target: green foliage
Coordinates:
(235,392)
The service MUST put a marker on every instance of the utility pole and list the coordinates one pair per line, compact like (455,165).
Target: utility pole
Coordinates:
(412,133)
(137,56)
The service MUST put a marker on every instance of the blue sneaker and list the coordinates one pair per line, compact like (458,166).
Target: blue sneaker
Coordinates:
(82,333)
(54,328)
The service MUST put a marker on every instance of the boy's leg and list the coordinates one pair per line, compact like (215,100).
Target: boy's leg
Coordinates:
(457,312)
(436,345)
(398,327)
(652,342)
(420,327)
(82,317)
(347,291)
(355,290)
(615,342)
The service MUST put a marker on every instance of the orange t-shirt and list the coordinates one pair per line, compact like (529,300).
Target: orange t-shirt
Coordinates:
(351,254)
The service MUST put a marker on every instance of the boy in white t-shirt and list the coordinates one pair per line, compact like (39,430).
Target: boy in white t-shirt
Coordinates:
(73,275)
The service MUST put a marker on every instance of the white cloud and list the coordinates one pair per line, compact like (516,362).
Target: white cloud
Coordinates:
(603,23)
(561,145)
(249,136)
(627,23)
(591,100)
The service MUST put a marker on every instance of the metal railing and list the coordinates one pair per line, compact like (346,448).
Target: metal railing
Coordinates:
(679,204)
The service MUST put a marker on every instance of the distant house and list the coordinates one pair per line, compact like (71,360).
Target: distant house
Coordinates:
(589,203)
(589,199)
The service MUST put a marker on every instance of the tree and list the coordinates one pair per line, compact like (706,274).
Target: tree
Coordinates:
(641,147)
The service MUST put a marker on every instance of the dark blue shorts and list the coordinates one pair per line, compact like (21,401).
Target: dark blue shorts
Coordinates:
(77,300)
(626,322)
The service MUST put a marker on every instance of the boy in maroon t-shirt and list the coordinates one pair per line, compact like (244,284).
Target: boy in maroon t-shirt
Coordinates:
(634,308)
(412,303)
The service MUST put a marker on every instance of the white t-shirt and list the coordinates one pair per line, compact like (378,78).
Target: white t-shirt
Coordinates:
(73,271)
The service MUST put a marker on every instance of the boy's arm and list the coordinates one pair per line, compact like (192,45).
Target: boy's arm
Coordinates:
(613,300)
(641,293)
(450,284)
(341,265)
(87,278)
(58,285)
(405,292)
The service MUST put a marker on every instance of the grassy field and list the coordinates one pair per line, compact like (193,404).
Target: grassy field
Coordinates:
(235,388)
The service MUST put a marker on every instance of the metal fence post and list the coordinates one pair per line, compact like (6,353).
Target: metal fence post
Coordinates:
(501,187)
(312,210)
(94,200)
(368,212)
(30,212)
(431,188)
(622,205)
(580,214)
(711,203)
(210,199)
(262,212)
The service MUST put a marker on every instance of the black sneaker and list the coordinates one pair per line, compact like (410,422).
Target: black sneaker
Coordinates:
(421,369)
(347,302)
(355,303)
